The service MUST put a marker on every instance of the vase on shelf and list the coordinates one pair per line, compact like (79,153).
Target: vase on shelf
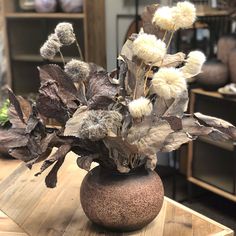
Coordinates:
(214,75)
(71,5)
(121,202)
(45,6)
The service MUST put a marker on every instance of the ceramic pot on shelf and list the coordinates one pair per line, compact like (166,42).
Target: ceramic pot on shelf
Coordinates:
(121,202)
(214,75)
(71,5)
(45,5)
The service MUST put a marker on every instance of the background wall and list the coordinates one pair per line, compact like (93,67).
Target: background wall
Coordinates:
(114,7)
(3,63)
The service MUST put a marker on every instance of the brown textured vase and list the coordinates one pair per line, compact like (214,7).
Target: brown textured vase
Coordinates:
(121,202)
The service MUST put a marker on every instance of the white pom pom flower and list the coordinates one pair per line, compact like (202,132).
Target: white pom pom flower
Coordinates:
(193,65)
(184,15)
(140,107)
(168,83)
(163,18)
(148,48)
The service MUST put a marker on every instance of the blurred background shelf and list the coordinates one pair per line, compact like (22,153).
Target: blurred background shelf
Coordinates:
(27,31)
(30,15)
(38,58)
(212,164)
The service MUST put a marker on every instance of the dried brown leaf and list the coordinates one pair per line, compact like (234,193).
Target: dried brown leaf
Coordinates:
(58,155)
(151,162)
(57,98)
(13,138)
(160,107)
(51,178)
(171,60)
(85,162)
(50,105)
(174,140)
(81,94)
(14,101)
(147,17)
(127,50)
(54,72)
(19,111)
(213,121)
(179,106)
(174,122)
(100,91)
(154,139)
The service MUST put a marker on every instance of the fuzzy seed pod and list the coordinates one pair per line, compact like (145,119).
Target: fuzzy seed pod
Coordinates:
(77,70)
(140,107)
(168,83)
(149,48)
(65,33)
(193,65)
(51,47)
(163,18)
(97,124)
(184,15)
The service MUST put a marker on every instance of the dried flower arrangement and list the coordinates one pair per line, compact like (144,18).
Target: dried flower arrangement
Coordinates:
(119,119)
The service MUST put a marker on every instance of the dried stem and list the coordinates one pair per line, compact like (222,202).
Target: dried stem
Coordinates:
(146,78)
(164,37)
(79,49)
(171,37)
(136,84)
(62,58)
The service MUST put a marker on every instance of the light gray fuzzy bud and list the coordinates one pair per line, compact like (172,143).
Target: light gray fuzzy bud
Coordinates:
(77,70)
(65,33)
(51,47)
(97,124)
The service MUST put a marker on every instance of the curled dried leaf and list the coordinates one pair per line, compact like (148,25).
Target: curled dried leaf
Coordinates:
(171,60)
(100,91)
(148,26)
(84,162)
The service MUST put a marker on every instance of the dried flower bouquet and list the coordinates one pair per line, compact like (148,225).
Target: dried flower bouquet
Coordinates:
(120,119)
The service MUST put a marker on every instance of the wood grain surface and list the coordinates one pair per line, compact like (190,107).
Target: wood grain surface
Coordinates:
(57,212)
(7,166)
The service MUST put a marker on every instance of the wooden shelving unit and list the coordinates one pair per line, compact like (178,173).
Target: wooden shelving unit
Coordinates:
(45,15)
(27,31)
(212,164)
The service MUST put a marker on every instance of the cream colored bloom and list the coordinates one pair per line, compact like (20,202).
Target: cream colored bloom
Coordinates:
(148,48)
(163,18)
(168,83)
(184,15)
(77,70)
(140,107)
(193,65)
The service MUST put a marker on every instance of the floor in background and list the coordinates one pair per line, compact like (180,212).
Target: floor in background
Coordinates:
(204,202)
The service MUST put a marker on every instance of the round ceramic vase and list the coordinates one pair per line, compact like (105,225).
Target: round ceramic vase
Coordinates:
(71,5)
(45,5)
(214,75)
(121,202)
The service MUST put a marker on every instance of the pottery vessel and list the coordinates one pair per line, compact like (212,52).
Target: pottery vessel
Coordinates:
(121,202)
(45,5)
(232,67)
(71,5)
(214,75)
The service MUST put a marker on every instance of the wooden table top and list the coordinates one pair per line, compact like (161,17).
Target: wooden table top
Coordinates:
(39,211)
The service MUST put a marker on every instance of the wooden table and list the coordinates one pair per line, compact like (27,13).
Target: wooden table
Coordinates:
(39,211)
